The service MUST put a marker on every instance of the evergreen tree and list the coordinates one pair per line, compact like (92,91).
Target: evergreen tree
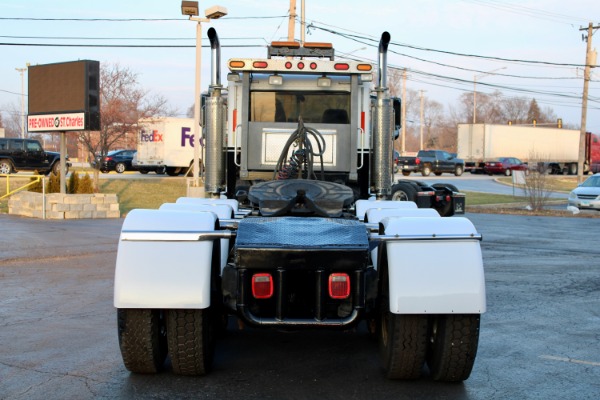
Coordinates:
(534,112)
(73,183)
(86,185)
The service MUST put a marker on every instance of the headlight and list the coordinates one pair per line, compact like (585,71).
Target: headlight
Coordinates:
(572,196)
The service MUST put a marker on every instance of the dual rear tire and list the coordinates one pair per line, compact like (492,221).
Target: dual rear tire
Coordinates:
(146,337)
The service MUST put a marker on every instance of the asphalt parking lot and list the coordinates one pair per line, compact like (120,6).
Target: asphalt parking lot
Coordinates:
(539,339)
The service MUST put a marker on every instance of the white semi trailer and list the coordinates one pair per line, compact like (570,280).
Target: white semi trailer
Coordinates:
(557,149)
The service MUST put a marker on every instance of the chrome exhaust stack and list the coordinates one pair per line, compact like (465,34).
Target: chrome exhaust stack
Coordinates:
(214,129)
(382,144)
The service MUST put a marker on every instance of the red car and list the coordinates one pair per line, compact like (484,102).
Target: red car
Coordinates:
(505,165)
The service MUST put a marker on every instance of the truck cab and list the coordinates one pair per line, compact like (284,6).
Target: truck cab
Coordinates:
(270,97)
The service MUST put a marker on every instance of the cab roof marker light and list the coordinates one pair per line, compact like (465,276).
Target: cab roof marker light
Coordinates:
(364,67)
(237,64)
(341,67)
(260,64)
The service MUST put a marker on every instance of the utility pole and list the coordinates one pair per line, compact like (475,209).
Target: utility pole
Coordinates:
(292,21)
(403,112)
(586,83)
(421,148)
(22,71)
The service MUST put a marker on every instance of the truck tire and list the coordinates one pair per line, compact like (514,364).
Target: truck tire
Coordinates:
(406,173)
(572,169)
(426,171)
(458,171)
(190,338)
(142,339)
(143,171)
(403,191)
(5,167)
(402,337)
(120,168)
(161,170)
(453,347)
(173,171)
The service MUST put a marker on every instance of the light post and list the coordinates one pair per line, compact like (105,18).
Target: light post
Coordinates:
(475,90)
(190,8)
(22,71)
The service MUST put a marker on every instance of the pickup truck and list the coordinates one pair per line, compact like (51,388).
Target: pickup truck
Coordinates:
(428,161)
(27,155)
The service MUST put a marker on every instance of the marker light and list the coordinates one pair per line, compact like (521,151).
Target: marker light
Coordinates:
(260,64)
(237,64)
(341,66)
(339,286)
(262,286)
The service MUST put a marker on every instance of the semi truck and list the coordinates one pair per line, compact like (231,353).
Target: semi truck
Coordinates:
(555,150)
(299,229)
(165,145)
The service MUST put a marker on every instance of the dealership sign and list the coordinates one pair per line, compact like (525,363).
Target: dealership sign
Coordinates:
(56,122)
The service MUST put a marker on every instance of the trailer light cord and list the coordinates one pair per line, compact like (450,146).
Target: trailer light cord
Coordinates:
(303,158)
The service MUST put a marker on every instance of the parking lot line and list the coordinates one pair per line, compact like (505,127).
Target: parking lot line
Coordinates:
(571,360)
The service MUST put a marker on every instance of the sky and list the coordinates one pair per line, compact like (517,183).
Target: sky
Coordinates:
(527,48)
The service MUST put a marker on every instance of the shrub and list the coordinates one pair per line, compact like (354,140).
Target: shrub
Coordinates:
(37,186)
(53,185)
(73,183)
(86,185)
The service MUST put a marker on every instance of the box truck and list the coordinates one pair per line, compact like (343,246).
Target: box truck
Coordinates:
(165,145)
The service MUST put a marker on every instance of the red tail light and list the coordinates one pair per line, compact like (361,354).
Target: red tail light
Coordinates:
(262,286)
(417,161)
(108,158)
(339,286)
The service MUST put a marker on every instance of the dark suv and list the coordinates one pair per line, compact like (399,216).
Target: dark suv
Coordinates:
(27,155)
(116,160)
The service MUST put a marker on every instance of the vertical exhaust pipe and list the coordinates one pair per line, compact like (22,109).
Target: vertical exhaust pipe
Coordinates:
(215,59)
(214,129)
(381,165)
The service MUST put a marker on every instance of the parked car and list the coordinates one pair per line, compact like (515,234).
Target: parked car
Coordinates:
(28,155)
(587,195)
(505,166)
(116,160)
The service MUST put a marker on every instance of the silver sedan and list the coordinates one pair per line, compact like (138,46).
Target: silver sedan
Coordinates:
(587,195)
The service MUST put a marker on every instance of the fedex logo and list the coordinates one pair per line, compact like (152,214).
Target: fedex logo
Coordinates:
(187,138)
(152,136)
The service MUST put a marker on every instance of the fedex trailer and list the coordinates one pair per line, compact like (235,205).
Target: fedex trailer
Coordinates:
(165,145)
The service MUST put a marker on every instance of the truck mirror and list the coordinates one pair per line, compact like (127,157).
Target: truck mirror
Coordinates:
(396,105)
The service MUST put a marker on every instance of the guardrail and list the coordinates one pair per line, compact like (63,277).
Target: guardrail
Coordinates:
(38,178)
(9,192)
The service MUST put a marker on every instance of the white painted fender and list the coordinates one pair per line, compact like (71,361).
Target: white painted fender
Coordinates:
(160,261)
(431,272)
(376,215)
(362,206)
(223,211)
(200,200)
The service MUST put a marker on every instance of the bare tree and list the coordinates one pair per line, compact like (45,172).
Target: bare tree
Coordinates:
(515,109)
(122,104)
(12,124)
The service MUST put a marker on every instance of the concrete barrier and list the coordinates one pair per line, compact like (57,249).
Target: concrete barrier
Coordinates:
(64,206)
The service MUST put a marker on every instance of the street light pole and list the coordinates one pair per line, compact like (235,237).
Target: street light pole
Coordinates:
(475,90)
(190,8)
(22,71)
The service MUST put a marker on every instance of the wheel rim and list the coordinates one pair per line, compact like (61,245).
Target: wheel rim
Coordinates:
(400,195)
(4,168)
(120,168)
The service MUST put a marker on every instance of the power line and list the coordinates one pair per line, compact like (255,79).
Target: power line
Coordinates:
(125,19)
(170,46)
